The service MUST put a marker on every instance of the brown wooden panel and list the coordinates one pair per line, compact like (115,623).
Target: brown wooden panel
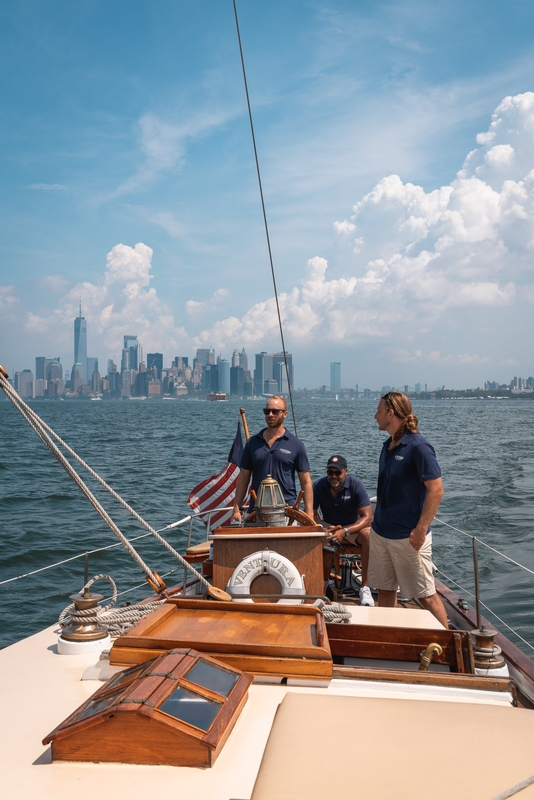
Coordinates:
(132,739)
(272,637)
(305,552)
(400,644)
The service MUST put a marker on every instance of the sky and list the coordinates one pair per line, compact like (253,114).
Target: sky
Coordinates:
(396,146)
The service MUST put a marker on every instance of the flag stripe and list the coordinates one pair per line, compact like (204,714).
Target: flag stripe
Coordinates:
(218,491)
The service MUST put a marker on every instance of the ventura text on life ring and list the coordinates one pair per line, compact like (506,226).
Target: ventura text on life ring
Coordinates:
(266,562)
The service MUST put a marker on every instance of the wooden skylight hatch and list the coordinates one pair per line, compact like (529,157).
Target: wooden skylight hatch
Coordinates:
(177,709)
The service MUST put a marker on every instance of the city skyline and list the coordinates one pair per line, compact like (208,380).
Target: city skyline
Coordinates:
(207,374)
(396,147)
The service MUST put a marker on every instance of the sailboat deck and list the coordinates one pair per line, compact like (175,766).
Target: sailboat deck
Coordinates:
(41,688)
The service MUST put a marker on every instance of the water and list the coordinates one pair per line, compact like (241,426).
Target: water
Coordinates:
(153,453)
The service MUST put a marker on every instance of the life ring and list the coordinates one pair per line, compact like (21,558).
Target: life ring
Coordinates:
(266,562)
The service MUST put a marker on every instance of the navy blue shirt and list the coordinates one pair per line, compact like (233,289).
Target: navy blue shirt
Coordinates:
(342,509)
(286,456)
(401,490)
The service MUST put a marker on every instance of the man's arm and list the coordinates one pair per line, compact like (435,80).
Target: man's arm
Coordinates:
(364,521)
(240,492)
(434,493)
(307,487)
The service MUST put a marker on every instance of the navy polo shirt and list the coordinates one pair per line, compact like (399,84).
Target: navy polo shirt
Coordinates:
(342,509)
(286,456)
(401,490)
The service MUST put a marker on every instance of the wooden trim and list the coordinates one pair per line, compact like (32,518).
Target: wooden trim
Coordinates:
(451,680)
(259,535)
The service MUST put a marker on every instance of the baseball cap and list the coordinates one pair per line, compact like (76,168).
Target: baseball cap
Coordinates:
(338,462)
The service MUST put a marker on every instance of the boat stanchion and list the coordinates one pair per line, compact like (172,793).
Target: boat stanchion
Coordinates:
(488,655)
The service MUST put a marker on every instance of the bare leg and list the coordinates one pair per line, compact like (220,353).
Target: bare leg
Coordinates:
(436,607)
(363,540)
(387,599)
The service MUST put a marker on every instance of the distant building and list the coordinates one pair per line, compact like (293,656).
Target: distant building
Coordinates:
(237,381)
(92,365)
(53,371)
(131,344)
(224,376)
(335,376)
(80,345)
(270,371)
(155,360)
(76,377)
(39,387)
(154,388)
(205,356)
(235,358)
(243,359)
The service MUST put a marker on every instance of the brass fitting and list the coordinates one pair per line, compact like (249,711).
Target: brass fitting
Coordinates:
(426,656)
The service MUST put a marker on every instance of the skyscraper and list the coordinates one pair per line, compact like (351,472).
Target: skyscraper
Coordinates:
(155,360)
(131,343)
(279,371)
(335,376)
(224,376)
(270,373)
(80,345)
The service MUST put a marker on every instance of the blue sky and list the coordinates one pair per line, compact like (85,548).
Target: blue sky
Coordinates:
(128,181)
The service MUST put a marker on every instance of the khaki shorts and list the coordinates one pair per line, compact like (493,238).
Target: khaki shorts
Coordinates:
(394,563)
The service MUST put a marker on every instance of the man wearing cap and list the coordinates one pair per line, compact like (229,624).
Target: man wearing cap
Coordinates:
(276,452)
(345,506)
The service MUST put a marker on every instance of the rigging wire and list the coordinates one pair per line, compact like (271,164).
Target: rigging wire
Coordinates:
(290,388)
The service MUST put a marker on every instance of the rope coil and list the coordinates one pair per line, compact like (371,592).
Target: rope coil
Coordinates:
(117,621)
(333,612)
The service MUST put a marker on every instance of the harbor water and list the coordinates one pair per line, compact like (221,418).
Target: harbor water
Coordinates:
(153,453)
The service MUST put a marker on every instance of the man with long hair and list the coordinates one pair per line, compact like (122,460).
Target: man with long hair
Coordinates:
(408,497)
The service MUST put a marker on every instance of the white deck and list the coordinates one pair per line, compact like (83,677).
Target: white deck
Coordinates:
(41,688)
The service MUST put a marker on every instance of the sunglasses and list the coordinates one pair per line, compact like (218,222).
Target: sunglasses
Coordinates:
(274,411)
(333,472)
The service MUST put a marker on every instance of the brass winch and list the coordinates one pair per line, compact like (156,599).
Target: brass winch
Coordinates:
(488,655)
(84,626)
(270,504)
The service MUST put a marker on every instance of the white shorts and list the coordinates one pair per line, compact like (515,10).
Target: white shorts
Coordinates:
(394,563)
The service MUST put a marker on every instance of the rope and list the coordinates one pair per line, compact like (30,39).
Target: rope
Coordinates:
(265,218)
(333,612)
(117,621)
(440,572)
(470,536)
(42,430)
(514,789)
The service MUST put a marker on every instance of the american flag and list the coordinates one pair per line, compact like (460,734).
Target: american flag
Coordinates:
(219,490)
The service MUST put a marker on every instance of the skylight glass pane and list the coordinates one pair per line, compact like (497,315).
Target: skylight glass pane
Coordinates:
(191,708)
(207,675)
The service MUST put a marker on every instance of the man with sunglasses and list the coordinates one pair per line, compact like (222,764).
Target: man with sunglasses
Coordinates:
(276,452)
(345,506)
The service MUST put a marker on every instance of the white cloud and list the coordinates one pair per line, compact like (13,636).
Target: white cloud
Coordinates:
(8,300)
(435,357)
(421,263)
(47,187)
(344,227)
(162,147)
(54,283)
